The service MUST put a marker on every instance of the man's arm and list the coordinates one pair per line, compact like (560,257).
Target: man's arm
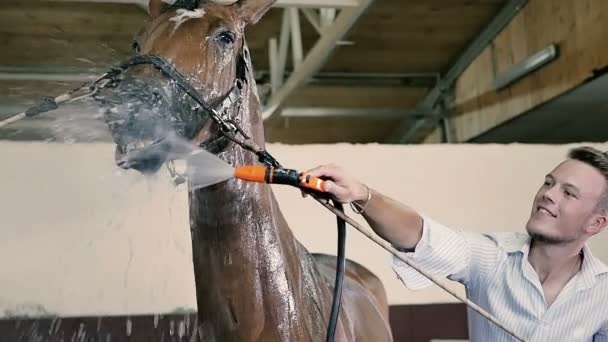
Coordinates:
(391,220)
(439,250)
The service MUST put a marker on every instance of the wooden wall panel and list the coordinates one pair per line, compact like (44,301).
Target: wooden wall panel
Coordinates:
(578,27)
(410,323)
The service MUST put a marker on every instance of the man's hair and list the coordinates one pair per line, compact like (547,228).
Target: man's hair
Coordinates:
(598,160)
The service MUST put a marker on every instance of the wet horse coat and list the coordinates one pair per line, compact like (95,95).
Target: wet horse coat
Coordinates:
(254,280)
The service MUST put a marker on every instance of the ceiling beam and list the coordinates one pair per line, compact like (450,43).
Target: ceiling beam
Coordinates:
(380,113)
(410,79)
(80,74)
(414,128)
(317,56)
(375,113)
(48,74)
(483,39)
(279,3)
(318,3)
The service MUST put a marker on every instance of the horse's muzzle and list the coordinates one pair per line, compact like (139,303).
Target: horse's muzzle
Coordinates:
(149,120)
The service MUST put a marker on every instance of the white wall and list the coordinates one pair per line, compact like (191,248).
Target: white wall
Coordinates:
(80,237)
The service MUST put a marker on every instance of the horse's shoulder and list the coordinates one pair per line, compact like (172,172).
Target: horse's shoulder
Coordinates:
(353,270)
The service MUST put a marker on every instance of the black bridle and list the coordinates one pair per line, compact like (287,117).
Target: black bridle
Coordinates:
(228,126)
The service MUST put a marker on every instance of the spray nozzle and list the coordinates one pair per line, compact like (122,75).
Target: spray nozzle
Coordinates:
(204,169)
(271,175)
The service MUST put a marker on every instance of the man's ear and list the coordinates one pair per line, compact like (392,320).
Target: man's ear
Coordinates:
(251,11)
(158,7)
(600,221)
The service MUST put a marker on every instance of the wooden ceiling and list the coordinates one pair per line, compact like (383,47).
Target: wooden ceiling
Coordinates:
(393,36)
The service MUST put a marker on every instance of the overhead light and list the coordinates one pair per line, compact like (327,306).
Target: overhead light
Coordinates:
(526,66)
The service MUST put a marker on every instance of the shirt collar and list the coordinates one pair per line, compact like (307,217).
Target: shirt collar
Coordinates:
(592,267)
(518,242)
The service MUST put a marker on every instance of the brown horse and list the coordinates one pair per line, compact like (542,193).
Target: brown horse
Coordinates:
(254,280)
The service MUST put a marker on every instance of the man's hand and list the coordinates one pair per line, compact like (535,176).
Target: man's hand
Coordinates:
(341,186)
(393,221)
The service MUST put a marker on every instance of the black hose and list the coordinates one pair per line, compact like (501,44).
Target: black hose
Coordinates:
(341,261)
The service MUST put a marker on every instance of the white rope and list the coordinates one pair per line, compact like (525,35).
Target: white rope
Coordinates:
(12,119)
(396,253)
(67,97)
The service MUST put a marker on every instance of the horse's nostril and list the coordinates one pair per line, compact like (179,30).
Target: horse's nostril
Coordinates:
(156,96)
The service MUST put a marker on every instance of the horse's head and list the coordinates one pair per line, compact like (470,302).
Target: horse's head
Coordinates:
(204,42)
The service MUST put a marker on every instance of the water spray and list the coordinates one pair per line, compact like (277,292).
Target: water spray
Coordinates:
(204,169)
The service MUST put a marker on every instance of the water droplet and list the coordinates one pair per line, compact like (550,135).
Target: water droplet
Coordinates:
(181,330)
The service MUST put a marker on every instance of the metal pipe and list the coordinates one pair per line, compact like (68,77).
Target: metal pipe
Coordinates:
(380,113)
(47,77)
(327,17)
(318,3)
(283,46)
(273,57)
(408,78)
(313,19)
(71,74)
(48,73)
(296,37)
(279,3)
(411,132)
(317,56)
(445,130)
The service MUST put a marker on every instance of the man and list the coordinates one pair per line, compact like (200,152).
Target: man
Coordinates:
(544,285)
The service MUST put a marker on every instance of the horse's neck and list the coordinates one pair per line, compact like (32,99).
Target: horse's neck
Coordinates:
(245,259)
(247,268)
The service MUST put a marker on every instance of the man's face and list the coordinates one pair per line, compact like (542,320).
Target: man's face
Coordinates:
(564,207)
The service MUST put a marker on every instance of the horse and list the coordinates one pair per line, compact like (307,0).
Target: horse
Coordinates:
(254,280)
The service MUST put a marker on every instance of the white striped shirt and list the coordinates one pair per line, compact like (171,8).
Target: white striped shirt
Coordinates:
(497,276)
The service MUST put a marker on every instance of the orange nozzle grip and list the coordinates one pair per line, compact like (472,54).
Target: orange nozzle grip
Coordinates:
(251,173)
(313,183)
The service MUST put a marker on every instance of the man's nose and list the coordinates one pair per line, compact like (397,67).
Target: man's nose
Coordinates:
(550,194)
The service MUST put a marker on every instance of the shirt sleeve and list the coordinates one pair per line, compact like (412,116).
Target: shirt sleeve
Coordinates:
(446,252)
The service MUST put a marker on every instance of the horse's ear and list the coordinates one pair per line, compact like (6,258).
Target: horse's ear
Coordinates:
(158,7)
(252,10)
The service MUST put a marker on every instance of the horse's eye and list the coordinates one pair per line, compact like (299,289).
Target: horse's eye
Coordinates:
(226,37)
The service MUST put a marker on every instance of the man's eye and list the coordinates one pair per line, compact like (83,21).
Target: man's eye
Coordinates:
(226,37)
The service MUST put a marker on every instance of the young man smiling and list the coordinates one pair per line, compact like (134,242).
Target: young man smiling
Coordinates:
(544,285)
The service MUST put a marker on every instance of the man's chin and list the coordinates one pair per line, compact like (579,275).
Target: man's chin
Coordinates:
(546,239)
(540,236)
(537,234)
